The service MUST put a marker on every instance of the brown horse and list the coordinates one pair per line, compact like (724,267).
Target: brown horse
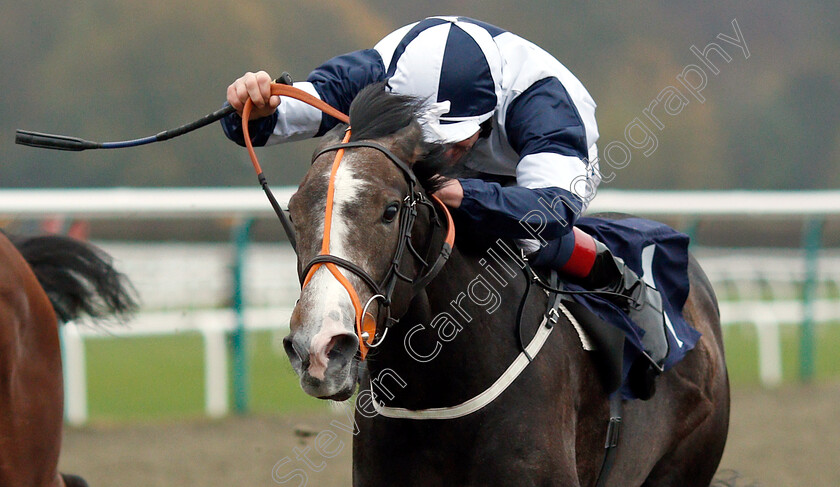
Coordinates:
(44,280)
(442,340)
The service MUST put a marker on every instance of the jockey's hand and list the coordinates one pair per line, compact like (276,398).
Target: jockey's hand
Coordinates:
(257,87)
(451,193)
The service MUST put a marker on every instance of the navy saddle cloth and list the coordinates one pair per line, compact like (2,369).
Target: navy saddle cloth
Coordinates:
(659,254)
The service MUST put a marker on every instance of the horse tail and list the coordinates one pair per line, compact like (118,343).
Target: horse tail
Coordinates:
(79,278)
(73,481)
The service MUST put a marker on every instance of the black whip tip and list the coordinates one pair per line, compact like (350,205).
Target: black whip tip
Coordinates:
(50,141)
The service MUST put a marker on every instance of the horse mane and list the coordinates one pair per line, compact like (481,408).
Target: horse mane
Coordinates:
(377,113)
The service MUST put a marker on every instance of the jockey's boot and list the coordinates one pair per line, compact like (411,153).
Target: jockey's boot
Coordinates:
(643,305)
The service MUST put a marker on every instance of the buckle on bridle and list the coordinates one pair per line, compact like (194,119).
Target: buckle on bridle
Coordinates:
(553,317)
(365,335)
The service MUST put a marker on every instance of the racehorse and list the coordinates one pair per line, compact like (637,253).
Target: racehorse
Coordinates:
(44,280)
(435,339)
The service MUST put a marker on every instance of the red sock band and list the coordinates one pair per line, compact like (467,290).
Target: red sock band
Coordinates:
(583,255)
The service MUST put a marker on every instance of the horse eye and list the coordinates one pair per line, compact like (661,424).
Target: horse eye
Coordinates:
(391,212)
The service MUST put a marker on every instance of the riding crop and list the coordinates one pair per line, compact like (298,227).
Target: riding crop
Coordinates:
(63,142)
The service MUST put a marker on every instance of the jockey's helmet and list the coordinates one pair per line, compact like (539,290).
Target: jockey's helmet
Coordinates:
(455,66)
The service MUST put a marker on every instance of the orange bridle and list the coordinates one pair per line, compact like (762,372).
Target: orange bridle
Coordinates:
(365,324)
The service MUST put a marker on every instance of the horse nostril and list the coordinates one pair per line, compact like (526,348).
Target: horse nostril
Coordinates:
(297,355)
(342,348)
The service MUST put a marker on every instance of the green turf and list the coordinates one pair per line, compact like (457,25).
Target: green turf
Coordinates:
(828,352)
(145,377)
(160,377)
(163,377)
(741,343)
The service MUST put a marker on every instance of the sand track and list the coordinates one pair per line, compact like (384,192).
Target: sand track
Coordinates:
(785,437)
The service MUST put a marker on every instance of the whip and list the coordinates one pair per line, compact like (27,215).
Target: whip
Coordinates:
(281,86)
(63,142)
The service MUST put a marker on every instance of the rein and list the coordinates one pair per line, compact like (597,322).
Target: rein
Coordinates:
(283,89)
(365,325)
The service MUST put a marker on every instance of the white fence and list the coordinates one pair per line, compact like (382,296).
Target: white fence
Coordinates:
(764,287)
(187,287)
(214,325)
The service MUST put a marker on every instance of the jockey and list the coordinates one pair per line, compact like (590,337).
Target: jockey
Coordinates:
(526,121)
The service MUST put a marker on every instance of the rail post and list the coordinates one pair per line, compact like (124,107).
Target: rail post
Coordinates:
(239,349)
(689,226)
(812,239)
(75,377)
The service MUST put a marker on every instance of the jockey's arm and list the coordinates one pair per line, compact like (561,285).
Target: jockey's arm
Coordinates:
(553,176)
(336,82)
(517,212)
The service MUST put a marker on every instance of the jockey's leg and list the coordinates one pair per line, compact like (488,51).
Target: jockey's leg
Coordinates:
(590,264)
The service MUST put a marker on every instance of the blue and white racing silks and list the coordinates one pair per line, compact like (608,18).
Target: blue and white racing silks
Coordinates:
(543,119)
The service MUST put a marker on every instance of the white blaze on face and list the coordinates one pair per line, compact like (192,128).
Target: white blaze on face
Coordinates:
(326,296)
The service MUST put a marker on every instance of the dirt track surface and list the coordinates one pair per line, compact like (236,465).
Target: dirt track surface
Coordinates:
(786,437)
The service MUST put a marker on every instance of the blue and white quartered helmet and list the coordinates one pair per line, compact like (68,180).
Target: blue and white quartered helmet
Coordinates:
(454,64)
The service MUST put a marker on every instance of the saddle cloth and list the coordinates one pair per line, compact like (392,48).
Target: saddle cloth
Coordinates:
(659,254)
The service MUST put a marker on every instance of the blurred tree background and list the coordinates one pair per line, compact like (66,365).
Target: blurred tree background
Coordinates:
(118,69)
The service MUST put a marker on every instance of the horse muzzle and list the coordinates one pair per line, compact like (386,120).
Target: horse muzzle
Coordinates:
(325,362)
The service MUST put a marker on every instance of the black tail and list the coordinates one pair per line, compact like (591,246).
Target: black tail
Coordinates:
(73,481)
(79,278)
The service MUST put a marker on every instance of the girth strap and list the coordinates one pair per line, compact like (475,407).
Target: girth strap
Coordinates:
(478,402)
(611,444)
(514,370)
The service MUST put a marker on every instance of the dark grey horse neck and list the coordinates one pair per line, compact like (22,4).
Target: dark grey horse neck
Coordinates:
(460,333)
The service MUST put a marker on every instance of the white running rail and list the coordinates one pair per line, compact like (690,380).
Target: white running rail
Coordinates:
(755,287)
